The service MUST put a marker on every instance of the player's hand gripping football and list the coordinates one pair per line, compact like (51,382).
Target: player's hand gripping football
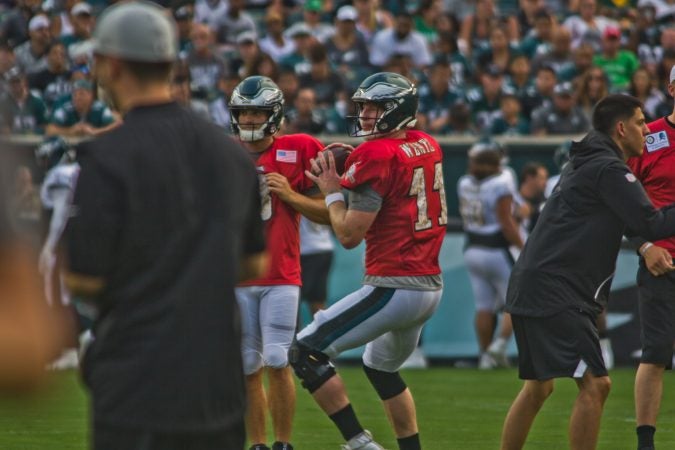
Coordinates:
(327,167)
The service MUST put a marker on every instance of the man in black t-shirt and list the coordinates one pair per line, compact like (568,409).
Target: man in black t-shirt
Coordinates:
(166,219)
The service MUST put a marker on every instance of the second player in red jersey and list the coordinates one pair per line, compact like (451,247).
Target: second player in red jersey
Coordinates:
(269,305)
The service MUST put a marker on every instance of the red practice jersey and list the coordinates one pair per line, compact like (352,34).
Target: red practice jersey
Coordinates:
(289,155)
(406,236)
(656,169)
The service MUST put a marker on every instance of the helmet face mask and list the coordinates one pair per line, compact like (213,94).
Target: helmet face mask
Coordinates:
(396,98)
(259,94)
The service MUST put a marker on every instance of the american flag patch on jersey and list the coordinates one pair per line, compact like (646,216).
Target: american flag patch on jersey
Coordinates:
(287,156)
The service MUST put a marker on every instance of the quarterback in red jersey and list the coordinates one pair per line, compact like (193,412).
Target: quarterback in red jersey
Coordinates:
(392,195)
(656,280)
(269,305)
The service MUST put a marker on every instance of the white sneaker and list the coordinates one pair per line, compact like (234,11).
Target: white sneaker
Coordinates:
(497,350)
(67,360)
(362,441)
(486,362)
(416,360)
(607,353)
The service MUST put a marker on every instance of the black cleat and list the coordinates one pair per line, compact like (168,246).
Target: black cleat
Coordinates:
(259,447)
(282,446)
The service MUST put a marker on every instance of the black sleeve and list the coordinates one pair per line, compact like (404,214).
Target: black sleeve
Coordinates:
(96,219)
(626,197)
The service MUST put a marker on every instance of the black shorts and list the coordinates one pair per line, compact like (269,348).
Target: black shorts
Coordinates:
(315,269)
(656,301)
(562,345)
(107,437)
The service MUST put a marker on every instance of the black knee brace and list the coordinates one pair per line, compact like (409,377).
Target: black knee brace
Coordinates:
(387,384)
(311,366)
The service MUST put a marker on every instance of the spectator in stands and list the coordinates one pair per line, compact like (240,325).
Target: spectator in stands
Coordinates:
(53,81)
(593,87)
(618,64)
(83,26)
(435,98)
(560,55)
(402,64)
(484,99)
(541,93)
(347,49)
(249,57)
(83,115)
(475,31)
(303,40)
(401,39)
(304,116)
(662,69)
(645,36)
(526,14)
(210,12)
(61,23)
(322,78)
(425,19)
(539,41)
(666,47)
(460,120)
(234,22)
(31,56)
(499,52)
(206,66)
(582,58)
(183,17)
(587,27)
(181,93)
(461,67)
(372,19)
(519,79)
(510,120)
(562,116)
(218,108)
(533,179)
(643,88)
(275,43)
(289,84)
(312,15)
(21,111)
(14,27)
(7,61)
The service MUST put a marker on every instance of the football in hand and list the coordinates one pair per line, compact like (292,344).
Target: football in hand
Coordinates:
(340,154)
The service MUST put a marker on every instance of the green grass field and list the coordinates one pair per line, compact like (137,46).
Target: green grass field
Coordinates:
(457,409)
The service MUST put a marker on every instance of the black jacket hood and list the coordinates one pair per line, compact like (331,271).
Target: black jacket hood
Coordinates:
(595,144)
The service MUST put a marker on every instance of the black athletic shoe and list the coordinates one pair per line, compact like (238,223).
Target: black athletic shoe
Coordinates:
(282,446)
(259,447)
(649,447)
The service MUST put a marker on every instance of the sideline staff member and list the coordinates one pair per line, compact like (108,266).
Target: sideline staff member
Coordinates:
(561,281)
(164,208)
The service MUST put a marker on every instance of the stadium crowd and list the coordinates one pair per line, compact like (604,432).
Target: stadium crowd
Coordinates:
(485,67)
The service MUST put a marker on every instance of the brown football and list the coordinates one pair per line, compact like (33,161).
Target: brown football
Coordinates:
(340,154)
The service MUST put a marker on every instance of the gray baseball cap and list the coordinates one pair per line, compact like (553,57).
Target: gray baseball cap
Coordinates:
(136,31)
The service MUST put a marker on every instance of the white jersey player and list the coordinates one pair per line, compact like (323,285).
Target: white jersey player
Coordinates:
(486,199)
(55,194)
